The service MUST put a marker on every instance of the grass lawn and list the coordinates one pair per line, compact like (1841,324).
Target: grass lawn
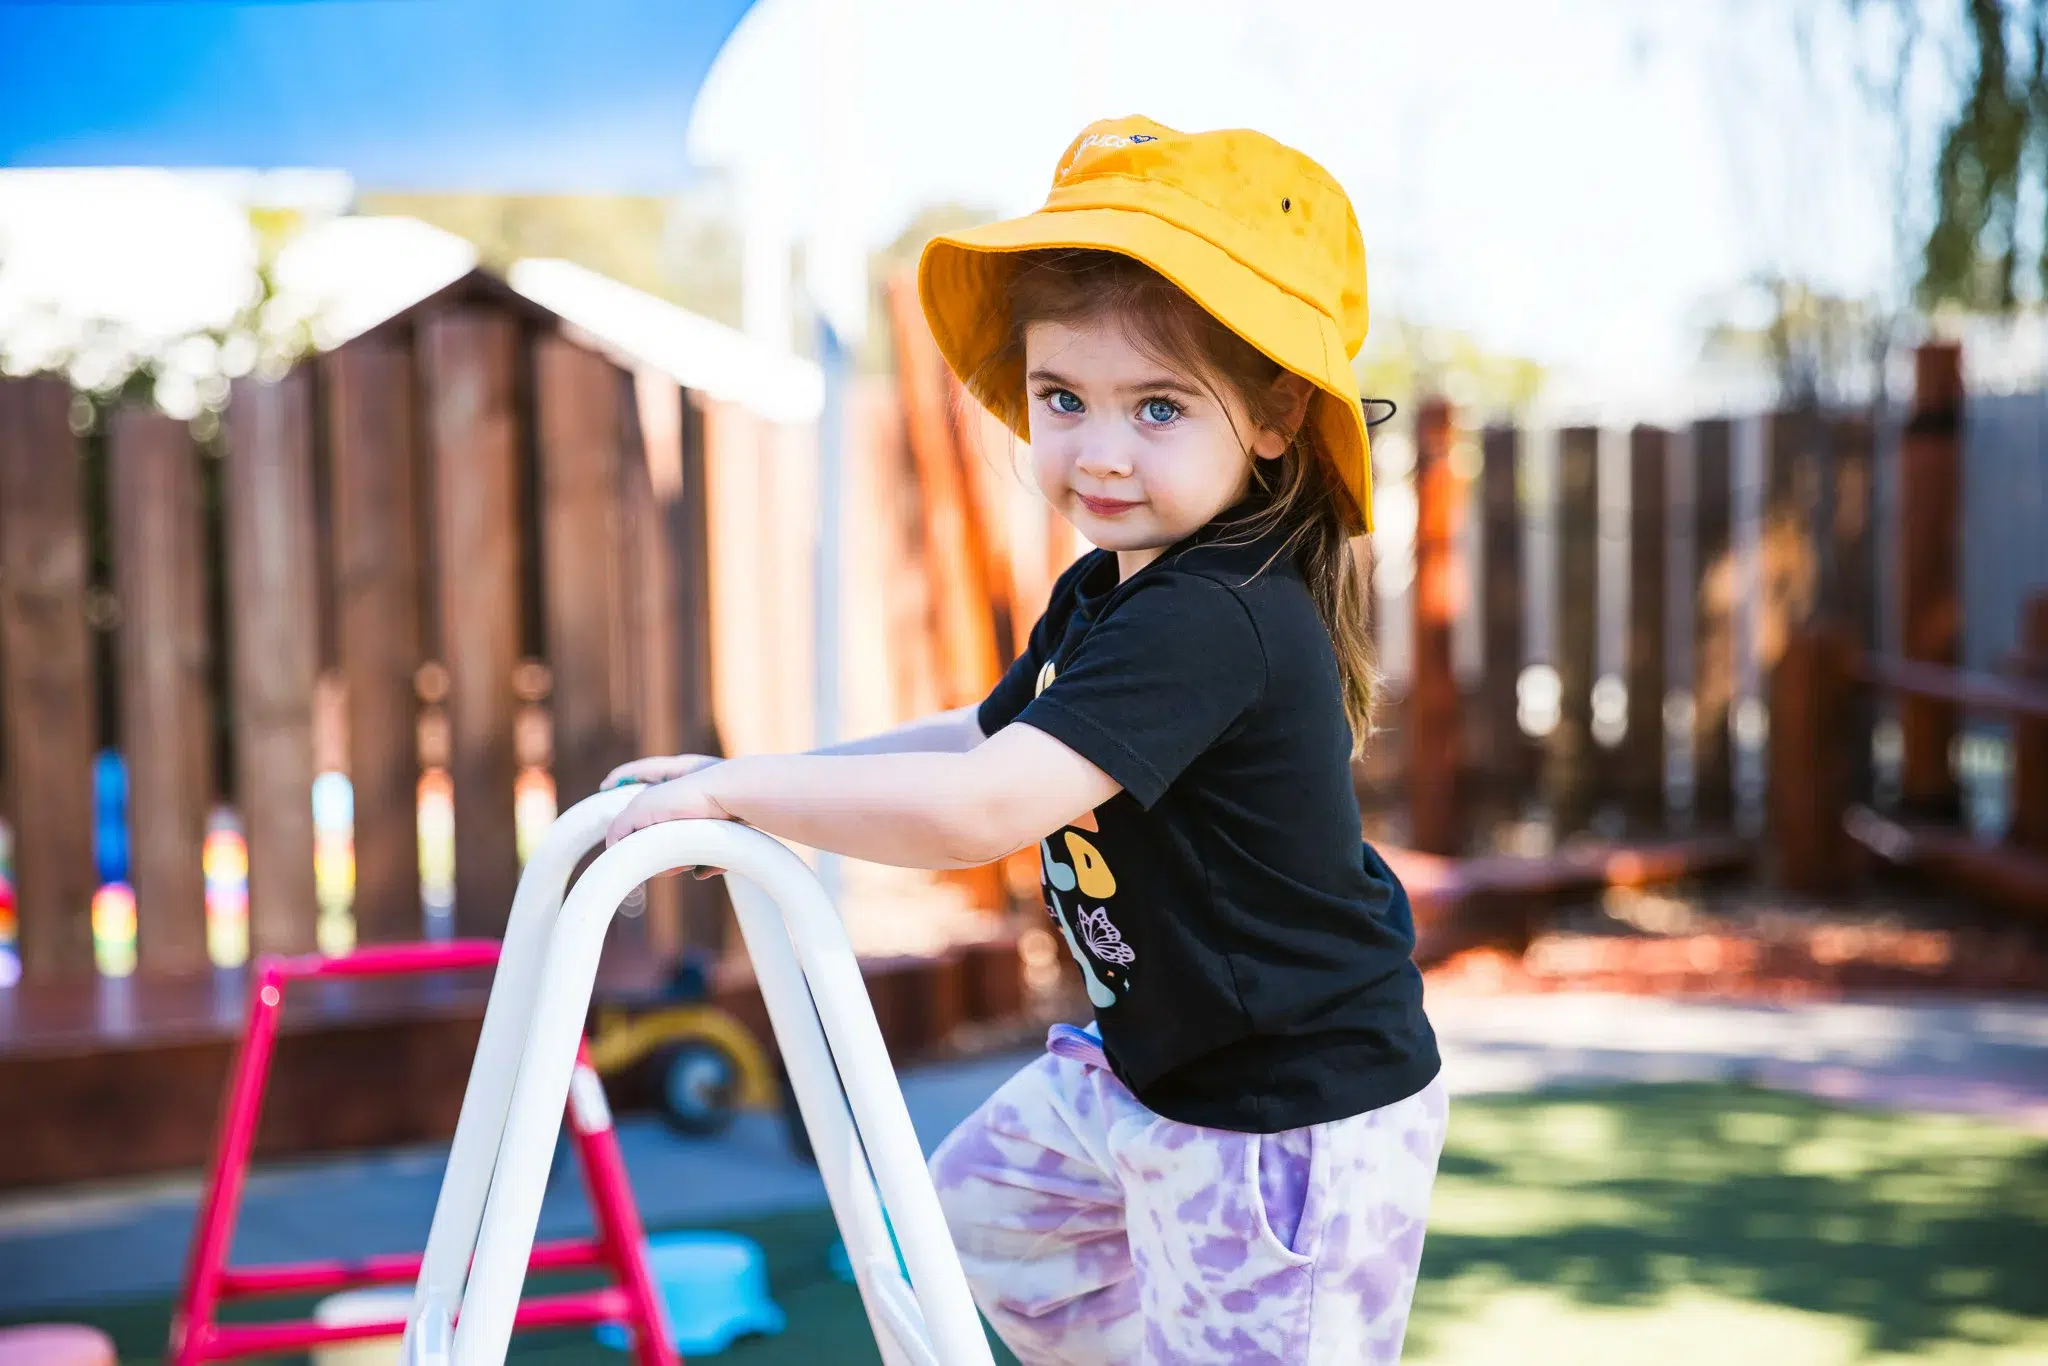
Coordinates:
(1665,1225)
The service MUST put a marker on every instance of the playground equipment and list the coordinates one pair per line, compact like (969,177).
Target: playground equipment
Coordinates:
(618,1247)
(464,1310)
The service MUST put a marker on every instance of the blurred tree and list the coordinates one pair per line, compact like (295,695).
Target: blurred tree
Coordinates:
(898,257)
(1819,347)
(684,248)
(1403,360)
(1993,161)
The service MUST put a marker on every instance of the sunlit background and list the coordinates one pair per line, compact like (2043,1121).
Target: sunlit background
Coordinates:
(1577,213)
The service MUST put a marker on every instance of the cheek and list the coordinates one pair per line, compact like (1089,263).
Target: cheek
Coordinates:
(1190,472)
(1050,462)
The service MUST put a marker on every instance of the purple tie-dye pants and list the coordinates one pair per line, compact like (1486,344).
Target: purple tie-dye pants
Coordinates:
(1093,1231)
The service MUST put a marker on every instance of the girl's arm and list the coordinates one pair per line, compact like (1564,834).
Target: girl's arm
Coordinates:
(916,810)
(946,732)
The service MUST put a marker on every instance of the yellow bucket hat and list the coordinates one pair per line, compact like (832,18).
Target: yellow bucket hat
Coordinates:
(1250,229)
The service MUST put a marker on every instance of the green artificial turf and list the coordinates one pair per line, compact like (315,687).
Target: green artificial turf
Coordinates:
(1652,1225)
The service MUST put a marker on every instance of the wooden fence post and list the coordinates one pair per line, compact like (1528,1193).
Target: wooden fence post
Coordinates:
(47,683)
(972,605)
(1434,749)
(689,533)
(650,480)
(1930,480)
(1714,654)
(1789,576)
(1849,584)
(2029,826)
(706,913)
(579,400)
(372,425)
(1503,627)
(273,596)
(468,358)
(956,557)
(1568,776)
(158,541)
(1809,753)
(1643,672)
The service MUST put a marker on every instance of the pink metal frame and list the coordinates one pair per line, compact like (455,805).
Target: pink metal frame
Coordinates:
(198,1336)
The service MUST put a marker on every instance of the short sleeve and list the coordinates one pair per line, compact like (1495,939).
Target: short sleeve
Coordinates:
(1015,689)
(1158,680)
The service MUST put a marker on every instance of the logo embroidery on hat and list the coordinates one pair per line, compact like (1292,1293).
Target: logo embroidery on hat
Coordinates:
(1106,142)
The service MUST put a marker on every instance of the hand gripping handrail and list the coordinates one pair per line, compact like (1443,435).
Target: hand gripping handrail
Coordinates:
(490,1200)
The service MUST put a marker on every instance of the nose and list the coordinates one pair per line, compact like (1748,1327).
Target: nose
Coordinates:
(1103,457)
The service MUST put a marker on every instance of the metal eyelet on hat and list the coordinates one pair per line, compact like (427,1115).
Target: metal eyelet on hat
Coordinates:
(1286,205)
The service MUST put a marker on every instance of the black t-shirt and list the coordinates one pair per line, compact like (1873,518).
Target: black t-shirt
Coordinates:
(1248,955)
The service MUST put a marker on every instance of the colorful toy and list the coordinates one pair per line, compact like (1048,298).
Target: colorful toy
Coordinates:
(704,1064)
(110,815)
(617,1247)
(715,1286)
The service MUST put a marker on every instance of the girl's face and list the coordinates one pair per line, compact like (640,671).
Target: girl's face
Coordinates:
(1135,456)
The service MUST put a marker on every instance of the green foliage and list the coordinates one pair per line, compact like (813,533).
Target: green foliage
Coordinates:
(685,249)
(1813,342)
(185,375)
(1404,361)
(1993,155)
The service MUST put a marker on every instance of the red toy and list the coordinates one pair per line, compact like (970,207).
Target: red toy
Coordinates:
(197,1335)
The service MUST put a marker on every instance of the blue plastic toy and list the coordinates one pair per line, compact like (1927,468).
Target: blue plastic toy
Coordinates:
(110,815)
(715,1289)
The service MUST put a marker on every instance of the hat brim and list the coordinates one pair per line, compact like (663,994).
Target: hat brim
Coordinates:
(963,278)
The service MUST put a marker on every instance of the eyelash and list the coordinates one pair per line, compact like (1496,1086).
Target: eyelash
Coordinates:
(1047,395)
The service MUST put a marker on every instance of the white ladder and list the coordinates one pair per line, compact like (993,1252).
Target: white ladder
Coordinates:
(824,1023)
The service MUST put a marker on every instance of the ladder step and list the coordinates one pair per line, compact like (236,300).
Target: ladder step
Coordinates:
(299,1278)
(583,1308)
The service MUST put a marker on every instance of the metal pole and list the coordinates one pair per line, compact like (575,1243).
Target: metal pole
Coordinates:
(833,359)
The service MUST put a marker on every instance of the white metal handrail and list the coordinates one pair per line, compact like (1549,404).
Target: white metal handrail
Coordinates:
(845,1089)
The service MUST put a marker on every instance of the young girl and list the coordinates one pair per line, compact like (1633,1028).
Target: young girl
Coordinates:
(1234,1164)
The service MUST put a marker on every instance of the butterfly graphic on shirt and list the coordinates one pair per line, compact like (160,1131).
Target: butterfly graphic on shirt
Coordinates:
(1103,939)
(1094,940)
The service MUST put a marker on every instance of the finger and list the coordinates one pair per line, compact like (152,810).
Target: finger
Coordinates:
(705,874)
(635,772)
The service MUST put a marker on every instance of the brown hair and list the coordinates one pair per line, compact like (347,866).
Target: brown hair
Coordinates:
(1305,496)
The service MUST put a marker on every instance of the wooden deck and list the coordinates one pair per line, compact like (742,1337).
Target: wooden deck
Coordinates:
(123,1077)
(1501,900)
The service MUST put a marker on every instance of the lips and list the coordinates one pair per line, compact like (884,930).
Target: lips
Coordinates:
(1106,507)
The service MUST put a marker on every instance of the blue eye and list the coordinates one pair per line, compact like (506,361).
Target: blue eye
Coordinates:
(1157,412)
(1064,401)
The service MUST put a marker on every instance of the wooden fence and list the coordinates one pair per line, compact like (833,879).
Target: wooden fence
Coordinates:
(460,492)
(473,519)
(1768,660)
(499,542)
(1636,727)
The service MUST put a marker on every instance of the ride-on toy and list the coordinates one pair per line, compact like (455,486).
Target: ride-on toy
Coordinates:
(703,1065)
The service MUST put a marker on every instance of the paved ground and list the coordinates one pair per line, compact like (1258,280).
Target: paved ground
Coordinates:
(1987,1057)
(127,1242)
